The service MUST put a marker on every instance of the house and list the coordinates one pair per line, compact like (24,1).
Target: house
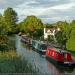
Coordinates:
(50,31)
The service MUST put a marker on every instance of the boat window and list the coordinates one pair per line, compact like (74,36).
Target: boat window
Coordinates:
(33,43)
(43,46)
(65,55)
(39,46)
(53,54)
(56,55)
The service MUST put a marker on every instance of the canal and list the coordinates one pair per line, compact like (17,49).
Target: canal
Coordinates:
(39,62)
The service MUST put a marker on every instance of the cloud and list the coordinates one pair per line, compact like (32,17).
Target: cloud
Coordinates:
(48,3)
(47,10)
(64,6)
(10,3)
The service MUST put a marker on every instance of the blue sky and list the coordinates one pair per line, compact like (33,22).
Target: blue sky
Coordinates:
(48,11)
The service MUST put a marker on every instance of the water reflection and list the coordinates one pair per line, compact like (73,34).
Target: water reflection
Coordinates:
(62,68)
(39,62)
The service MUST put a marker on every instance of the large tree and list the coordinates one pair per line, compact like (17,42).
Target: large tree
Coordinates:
(2,26)
(30,24)
(10,19)
(63,35)
(3,33)
(70,45)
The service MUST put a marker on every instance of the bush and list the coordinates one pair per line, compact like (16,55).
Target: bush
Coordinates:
(3,42)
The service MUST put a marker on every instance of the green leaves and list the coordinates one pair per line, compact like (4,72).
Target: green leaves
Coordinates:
(7,25)
(71,41)
(10,19)
(3,42)
(66,37)
(30,25)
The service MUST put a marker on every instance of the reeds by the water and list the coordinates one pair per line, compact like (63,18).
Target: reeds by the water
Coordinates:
(10,63)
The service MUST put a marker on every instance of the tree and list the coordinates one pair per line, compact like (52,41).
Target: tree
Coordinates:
(38,33)
(50,38)
(63,35)
(10,19)
(7,25)
(3,42)
(2,26)
(70,44)
(61,39)
(66,30)
(3,37)
(30,24)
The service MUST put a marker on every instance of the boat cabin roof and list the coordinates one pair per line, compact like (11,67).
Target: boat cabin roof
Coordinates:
(38,41)
(59,50)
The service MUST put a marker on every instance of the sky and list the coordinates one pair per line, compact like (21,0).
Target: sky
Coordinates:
(49,11)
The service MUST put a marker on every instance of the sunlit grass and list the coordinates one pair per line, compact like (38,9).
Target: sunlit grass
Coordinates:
(8,54)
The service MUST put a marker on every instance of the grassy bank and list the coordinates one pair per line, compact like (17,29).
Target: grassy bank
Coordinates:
(10,63)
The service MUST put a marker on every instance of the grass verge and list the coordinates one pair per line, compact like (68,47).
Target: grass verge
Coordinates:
(10,63)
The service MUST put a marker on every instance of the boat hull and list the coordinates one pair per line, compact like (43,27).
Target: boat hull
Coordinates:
(42,52)
(72,64)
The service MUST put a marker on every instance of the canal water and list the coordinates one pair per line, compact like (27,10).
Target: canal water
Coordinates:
(39,62)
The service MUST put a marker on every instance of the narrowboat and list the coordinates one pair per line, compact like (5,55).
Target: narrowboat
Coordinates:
(39,46)
(34,44)
(26,40)
(60,56)
(20,33)
(42,47)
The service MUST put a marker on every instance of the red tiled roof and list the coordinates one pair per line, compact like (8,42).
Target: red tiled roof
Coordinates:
(51,29)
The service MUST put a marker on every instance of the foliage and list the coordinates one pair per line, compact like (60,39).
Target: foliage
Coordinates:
(2,26)
(30,25)
(3,42)
(71,44)
(66,30)
(38,33)
(71,41)
(7,25)
(67,34)
(6,43)
(61,39)
(50,38)
(10,19)
(63,35)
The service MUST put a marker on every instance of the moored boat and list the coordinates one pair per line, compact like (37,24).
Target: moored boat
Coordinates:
(34,44)
(26,40)
(42,47)
(60,56)
(39,46)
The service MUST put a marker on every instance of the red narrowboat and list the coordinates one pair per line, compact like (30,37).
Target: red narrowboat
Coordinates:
(60,56)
